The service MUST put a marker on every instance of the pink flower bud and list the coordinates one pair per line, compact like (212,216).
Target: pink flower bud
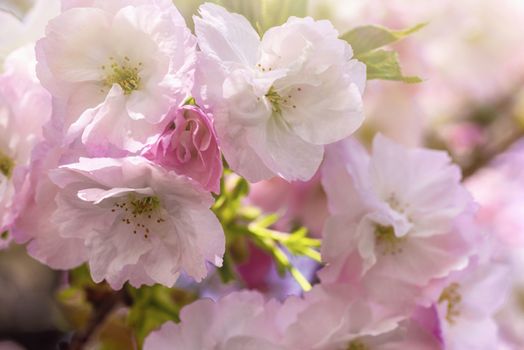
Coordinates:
(189,146)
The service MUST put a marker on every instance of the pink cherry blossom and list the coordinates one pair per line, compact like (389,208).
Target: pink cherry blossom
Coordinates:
(189,146)
(138,222)
(400,216)
(35,204)
(331,317)
(115,68)
(467,303)
(239,321)
(267,94)
(24,107)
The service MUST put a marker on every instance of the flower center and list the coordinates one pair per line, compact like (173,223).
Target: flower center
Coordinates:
(277,101)
(357,345)
(143,214)
(395,204)
(124,74)
(6,165)
(451,295)
(386,239)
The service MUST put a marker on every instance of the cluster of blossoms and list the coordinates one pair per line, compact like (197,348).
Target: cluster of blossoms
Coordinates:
(113,130)
(406,267)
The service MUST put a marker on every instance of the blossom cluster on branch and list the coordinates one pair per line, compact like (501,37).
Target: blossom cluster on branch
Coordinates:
(128,143)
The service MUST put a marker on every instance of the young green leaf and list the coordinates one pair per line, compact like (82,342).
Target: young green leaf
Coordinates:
(384,65)
(368,38)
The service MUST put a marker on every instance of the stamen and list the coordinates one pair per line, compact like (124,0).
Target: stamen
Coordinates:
(386,239)
(275,99)
(145,213)
(357,345)
(144,205)
(395,204)
(123,74)
(451,295)
(7,165)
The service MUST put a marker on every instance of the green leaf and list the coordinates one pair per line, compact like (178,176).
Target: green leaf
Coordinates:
(154,305)
(368,38)
(384,65)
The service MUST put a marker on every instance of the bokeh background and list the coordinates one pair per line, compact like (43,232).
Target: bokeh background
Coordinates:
(470,56)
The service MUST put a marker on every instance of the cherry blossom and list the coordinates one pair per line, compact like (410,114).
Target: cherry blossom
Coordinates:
(277,100)
(115,69)
(35,204)
(24,107)
(399,215)
(467,303)
(137,221)
(239,321)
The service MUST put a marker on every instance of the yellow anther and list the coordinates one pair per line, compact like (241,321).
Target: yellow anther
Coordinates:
(451,295)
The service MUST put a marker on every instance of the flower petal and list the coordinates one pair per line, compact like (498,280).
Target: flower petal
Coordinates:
(228,36)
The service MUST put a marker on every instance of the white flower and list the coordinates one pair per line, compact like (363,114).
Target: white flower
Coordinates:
(24,108)
(277,100)
(240,321)
(138,222)
(399,214)
(468,302)
(115,68)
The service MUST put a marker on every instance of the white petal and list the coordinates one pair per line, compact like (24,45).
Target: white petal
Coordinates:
(228,36)
(161,262)
(105,130)
(199,237)
(345,175)
(110,252)
(357,74)
(166,338)
(68,50)
(285,153)
(325,114)
(58,252)
(98,195)
(242,158)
